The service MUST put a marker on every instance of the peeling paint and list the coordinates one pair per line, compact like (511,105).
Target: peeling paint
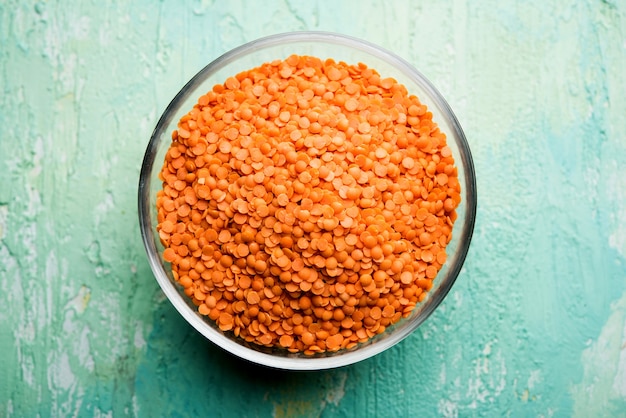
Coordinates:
(337,393)
(602,389)
(617,187)
(139,340)
(80,301)
(4,213)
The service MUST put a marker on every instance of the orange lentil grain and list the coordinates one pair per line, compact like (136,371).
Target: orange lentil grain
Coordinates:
(307,204)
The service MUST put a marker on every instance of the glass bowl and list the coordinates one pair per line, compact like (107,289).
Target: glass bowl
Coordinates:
(322,45)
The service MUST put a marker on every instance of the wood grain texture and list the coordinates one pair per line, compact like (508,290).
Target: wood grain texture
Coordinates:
(534,326)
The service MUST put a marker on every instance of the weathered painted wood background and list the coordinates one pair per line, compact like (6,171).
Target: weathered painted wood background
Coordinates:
(535,325)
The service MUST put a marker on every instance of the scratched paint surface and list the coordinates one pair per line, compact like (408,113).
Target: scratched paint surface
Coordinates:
(535,325)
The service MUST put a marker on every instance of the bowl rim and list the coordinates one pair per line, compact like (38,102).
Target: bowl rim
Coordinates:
(147,228)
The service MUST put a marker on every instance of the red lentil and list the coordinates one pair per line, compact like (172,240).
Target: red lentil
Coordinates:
(307,204)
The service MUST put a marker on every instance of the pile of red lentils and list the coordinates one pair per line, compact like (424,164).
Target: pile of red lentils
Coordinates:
(307,204)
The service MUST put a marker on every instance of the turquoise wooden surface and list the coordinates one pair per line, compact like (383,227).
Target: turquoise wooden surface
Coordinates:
(534,326)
